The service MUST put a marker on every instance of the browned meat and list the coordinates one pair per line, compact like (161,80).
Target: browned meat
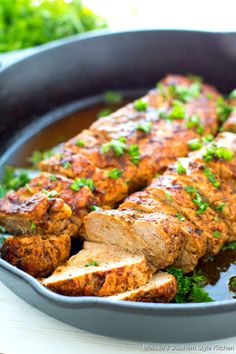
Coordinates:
(23,213)
(183,204)
(99,270)
(36,255)
(162,287)
(118,154)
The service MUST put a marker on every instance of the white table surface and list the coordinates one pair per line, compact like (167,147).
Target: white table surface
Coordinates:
(25,330)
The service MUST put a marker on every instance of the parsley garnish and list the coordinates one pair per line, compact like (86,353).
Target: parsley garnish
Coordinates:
(53,178)
(145,127)
(223,110)
(197,199)
(217,152)
(50,194)
(38,156)
(33,226)
(95,208)
(185,93)
(180,168)
(190,287)
(28,188)
(117,146)
(134,154)
(115,173)
(220,207)
(168,196)
(82,182)
(180,217)
(229,246)
(212,178)
(92,263)
(104,112)
(190,189)
(216,234)
(80,143)
(12,179)
(177,111)
(66,164)
(140,105)
(111,97)
(195,122)
(195,144)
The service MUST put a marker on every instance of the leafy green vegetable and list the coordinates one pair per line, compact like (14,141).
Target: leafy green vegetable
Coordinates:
(111,97)
(180,217)
(145,127)
(92,263)
(217,152)
(82,182)
(229,246)
(190,189)
(195,144)
(28,23)
(117,146)
(12,179)
(212,178)
(140,105)
(115,173)
(185,93)
(80,143)
(38,156)
(134,154)
(180,168)
(105,112)
(190,287)
(217,234)
(195,122)
(220,207)
(177,110)
(50,194)
(223,109)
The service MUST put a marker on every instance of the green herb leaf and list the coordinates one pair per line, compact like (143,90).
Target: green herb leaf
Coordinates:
(66,164)
(177,111)
(2,229)
(223,110)
(229,246)
(212,178)
(218,152)
(95,208)
(134,154)
(195,122)
(195,144)
(115,173)
(38,156)
(180,168)
(80,143)
(33,226)
(105,112)
(140,105)
(82,182)
(53,178)
(185,93)
(50,194)
(12,179)
(220,207)
(117,146)
(92,263)
(216,234)
(168,196)
(145,127)
(180,217)
(111,97)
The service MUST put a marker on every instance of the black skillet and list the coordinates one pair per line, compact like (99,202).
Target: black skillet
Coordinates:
(44,85)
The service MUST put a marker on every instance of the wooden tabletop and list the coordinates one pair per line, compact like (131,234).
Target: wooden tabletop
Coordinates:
(25,330)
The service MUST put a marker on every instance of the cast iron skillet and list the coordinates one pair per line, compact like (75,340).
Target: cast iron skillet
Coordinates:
(66,75)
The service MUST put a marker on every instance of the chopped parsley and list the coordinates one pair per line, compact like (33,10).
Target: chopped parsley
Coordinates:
(207,139)
(195,122)
(212,178)
(195,144)
(111,97)
(177,110)
(12,179)
(223,110)
(197,199)
(80,143)
(140,105)
(118,146)
(220,207)
(216,234)
(33,226)
(95,208)
(217,152)
(180,168)
(185,93)
(82,182)
(168,196)
(232,94)
(134,154)
(209,95)
(53,178)
(50,194)
(180,217)
(145,127)
(66,164)
(38,156)
(28,188)
(115,173)
(105,112)
(229,246)
(190,287)
(92,263)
